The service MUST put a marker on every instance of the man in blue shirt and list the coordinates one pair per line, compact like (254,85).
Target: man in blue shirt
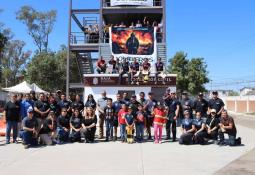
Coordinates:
(25,104)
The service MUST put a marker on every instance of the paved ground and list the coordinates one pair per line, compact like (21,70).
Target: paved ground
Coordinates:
(117,158)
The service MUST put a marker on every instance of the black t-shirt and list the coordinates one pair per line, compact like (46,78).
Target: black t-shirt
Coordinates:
(63,121)
(29,123)
(187,104)
(197,123)
(53,107)
(135,66)
(64,104)
(76,122)
(134,106)
(91,103)
(216,104)
(90,121)
(113,63)
(173,107)
(125,66)
(109,112)
(12,111)
(150,105)
(212,122)
(45,128)
(77,105)
(201,106)
(117,106)
(159,66)
(41,106)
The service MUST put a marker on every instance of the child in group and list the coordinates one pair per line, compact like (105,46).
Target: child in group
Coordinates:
(159,114)
(109,116)
(129,118)
(140,123)
(122,122)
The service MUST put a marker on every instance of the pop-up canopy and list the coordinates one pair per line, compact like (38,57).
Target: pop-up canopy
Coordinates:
(24,87)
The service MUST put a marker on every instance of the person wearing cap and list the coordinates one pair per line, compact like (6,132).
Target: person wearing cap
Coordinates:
(201,105)
(42,109)
(122,122)
(109,117)
(140,120)
(173,113)
(216,103)
(11,115)
(149,107)
(159,65)
(187,129)
(187,103)
(212,126)
(46,133)
(101,104)
(117,107)
(58,95)
(29,133)
(134,104)
(159,114)
(227,126)
(63,127)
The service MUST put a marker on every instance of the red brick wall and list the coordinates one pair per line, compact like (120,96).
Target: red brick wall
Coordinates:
(241,106)
(251,106)
(230,105)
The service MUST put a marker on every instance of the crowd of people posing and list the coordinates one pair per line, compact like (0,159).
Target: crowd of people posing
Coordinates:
(55,120)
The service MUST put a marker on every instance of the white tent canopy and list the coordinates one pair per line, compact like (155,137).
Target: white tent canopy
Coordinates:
(24,87)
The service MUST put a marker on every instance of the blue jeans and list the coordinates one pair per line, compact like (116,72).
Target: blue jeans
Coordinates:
(231,137)
(11,125)
(62,135)
(123,131)
(109,128)
(28,138)
(139,131)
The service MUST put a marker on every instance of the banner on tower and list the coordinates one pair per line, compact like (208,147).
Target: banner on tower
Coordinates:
(132,2)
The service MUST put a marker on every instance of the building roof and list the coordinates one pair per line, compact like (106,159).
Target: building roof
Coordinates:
(252,88)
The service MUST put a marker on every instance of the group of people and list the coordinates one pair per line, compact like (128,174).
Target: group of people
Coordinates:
(56,120)
(134,70)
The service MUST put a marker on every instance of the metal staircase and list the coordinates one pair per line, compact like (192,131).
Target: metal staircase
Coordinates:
(85,63)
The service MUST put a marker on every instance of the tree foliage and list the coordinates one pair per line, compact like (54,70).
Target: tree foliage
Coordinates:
(39,25)
(14,62)
(191,74)
(48,70)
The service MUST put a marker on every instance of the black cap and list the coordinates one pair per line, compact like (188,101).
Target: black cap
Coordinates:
(32,92)
(215,92)
(133,96)
(184,93)
(150,93)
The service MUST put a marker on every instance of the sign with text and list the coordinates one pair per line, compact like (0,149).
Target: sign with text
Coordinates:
(134,43)
(132,2)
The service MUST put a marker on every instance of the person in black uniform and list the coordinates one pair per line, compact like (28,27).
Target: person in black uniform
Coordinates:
(134,69)
(124,69)
(159,69)
(200,131)
(149,107)
(142,99)
(187,129)
(216,103)
(212,126)
(109,117)
(117,106)
(63,127)
(125,98)
(173,113)
(64,103)
(201,105)
(77,104)
(187,103)
(89,125)
(76,126)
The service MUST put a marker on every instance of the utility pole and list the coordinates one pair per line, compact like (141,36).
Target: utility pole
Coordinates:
(68,51)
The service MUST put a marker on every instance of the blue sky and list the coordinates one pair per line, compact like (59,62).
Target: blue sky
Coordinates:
(221,31)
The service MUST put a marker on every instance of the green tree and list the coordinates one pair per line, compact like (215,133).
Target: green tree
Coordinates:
(197,75)
(191,74)
(39,25)
(48,70)
(14,62)
(179,65)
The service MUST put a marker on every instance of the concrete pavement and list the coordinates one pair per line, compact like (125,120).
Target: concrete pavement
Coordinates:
(118,158)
